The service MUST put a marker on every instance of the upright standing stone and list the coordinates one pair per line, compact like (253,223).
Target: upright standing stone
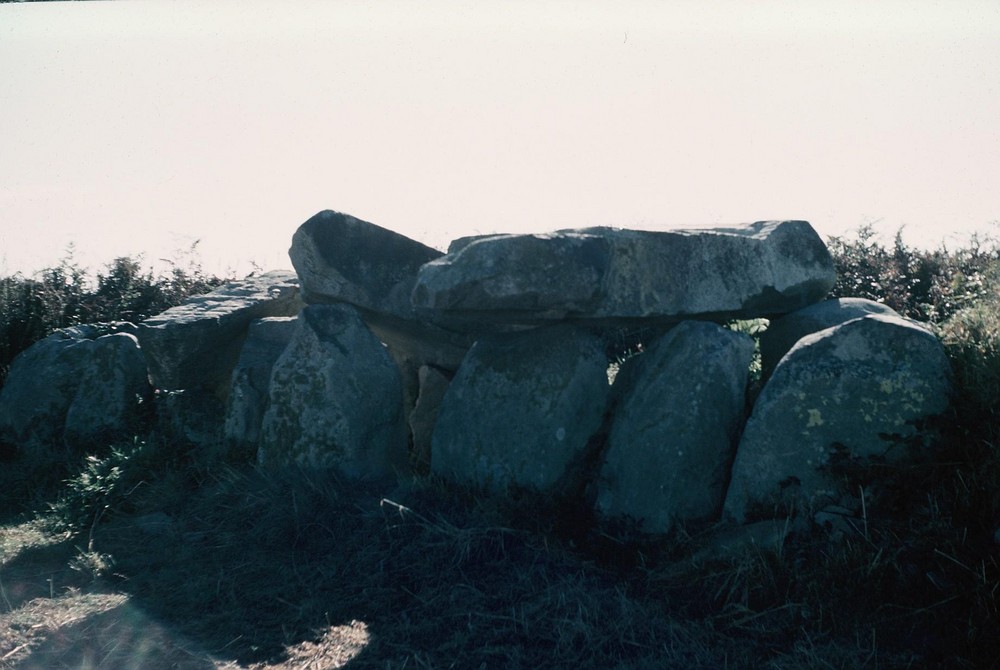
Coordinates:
(193,420)
(521,409)
(835,396)
(112,384)
(673,435)
(266,341)
(335,399)
(433,385)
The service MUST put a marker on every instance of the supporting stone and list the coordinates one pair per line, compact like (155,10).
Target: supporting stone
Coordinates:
(88,380)
(521,409)
(846,395)
(335,399)
(266,341)
(433,385)
(674,429)
(782,334)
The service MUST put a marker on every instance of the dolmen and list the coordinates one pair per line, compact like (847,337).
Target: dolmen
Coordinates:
(495,366)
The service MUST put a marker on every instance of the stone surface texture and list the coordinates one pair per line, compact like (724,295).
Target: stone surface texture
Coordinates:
(594,274)
(675,426)
(782,334)
(112,383)
(195,345)
(335,399)
(192,419)
(521,409)
(339,258)
(835,396)
(342,259)
(57,374)
(266,341)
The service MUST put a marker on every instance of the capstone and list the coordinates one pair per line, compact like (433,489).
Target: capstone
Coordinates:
(343,259)
(195,345)
(601,275)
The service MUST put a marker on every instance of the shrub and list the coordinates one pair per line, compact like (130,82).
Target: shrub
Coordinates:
(971,337)
(924,285)
(106,483)
(33,307)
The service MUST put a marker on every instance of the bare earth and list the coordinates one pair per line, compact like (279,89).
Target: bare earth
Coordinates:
(56,613)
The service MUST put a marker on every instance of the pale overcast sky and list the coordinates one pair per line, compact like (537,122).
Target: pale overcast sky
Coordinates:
(140,126)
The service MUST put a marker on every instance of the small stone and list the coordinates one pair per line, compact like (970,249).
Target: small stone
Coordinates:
(433,385)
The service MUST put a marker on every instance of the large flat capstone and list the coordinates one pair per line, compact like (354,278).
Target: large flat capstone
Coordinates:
(605,274)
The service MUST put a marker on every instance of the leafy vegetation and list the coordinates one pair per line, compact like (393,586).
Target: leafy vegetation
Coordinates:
(223,566)
(66,295)
(927,286)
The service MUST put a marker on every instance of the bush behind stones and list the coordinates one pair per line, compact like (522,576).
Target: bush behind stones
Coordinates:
(67,295)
